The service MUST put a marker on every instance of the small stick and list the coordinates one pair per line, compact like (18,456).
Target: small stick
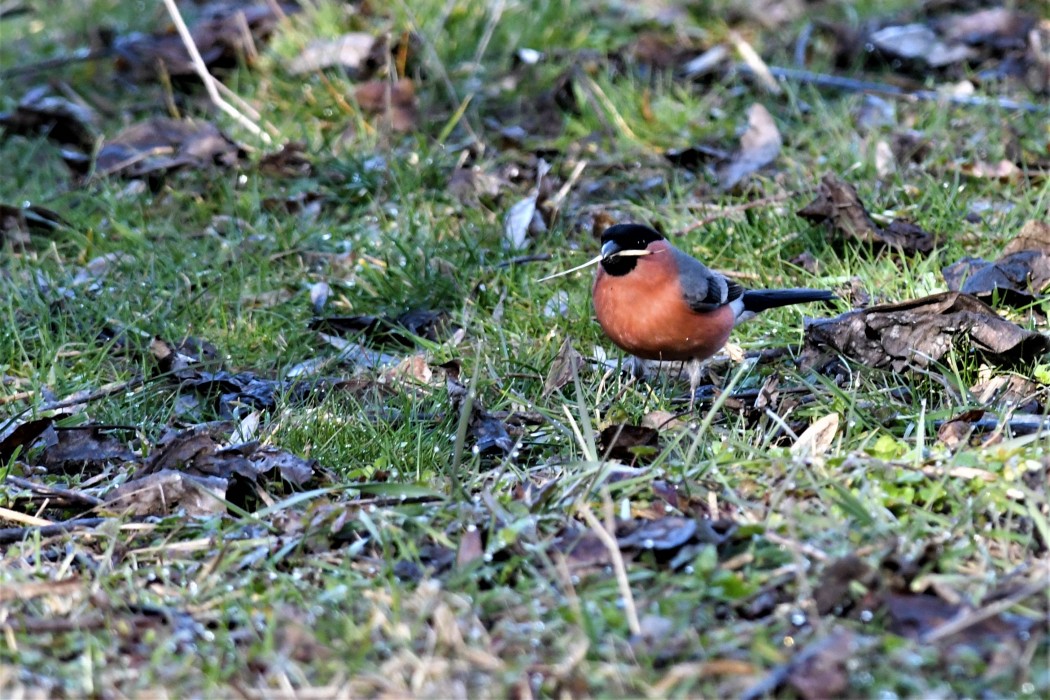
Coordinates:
(207,78)
(54,491)
(836,82)
(17,534)
(974,617)
(618,566)
(755,63)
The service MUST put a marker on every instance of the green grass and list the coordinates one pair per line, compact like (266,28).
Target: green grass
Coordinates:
(356,585)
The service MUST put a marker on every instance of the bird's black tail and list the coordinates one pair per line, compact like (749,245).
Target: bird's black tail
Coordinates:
(756,300)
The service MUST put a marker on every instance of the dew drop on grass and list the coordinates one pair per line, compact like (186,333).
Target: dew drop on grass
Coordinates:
(1027,688)
(472,527)
(534,642)
(886,694)
(866,616)
(798,619)
(648,544)
(689,569)
(487,556)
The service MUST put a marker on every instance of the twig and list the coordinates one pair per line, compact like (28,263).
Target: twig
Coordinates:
(618,566)
(102,392)
(54,491)
(17,534)
(977,616)
(207,78)
(557,199)
(755,64)
(837,82)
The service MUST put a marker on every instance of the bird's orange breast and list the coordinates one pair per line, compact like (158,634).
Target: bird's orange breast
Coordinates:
(644,313)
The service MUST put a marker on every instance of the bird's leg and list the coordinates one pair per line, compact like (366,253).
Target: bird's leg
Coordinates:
(694,381)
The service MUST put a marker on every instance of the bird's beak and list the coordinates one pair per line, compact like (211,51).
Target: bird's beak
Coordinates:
(610,250)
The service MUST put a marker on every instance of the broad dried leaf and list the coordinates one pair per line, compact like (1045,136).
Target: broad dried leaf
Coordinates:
(65,122)
(18,223)
(630,444)
(668,532)
(822,674)
(290,161)
(1016,279)
(567,362)
(488,432)
(395,102)
(833,593)
(838,205)
(158,145)
(17,437)
(85,448)
(226,35)
(916,616)
(166,491)
(955,432)
(817,438)
(759,146)
(919,44)
(350,52)
(524,217)
(920,332)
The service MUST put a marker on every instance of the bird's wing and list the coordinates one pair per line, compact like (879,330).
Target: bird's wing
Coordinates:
(703,289)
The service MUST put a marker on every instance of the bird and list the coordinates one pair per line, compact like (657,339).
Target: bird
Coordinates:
(658,303)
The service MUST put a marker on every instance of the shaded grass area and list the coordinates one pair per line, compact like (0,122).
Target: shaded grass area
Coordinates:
(429,569)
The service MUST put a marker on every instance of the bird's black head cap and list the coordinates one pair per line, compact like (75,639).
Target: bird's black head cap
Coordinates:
(623,237)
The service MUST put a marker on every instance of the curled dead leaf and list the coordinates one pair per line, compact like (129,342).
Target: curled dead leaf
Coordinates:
(838,205)
(920,332)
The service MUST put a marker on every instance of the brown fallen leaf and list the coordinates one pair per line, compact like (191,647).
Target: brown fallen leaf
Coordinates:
(290,161)
(668,532)
(920,332)
(759,146)
(225,35)
(158,145)
(351,52)
(630,444)
(489,433)
(395,102)
(567,362)
(917,616)
(833,595)
(63,121)
(86,448)
(1034,235)
(838,205)
(470,548)
(956,431)
(817,438)
(165,492)
(17,224)
(1017,278)
(920,45)
(822,674)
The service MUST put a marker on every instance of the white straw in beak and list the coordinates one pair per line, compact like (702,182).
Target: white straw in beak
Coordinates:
(597,259)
